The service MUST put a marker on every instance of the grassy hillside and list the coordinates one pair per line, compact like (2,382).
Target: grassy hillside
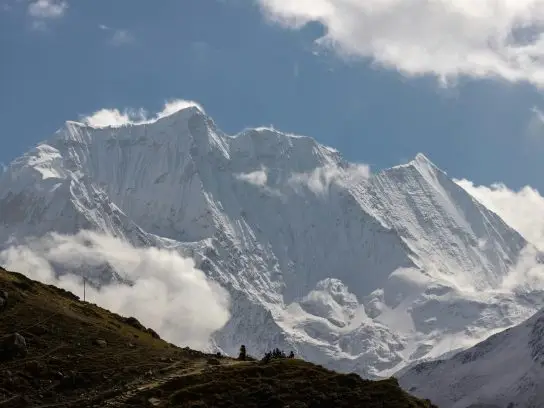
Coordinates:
(80,355)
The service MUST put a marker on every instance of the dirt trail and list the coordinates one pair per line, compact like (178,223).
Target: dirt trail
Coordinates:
(146,386)
(78,355)
(143,389)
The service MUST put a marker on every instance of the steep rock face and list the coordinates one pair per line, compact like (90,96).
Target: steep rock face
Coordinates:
(505,370)
(452,234)
(356,271)
(150,174)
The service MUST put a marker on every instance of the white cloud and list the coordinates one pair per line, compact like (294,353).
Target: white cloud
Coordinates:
(523,210)
(535,128)
(320,179)
(38,25)
(446,38)
(176,105)
(527,275)
(257,177)
(167,293)
(47,9)
(116,118)
(119,37)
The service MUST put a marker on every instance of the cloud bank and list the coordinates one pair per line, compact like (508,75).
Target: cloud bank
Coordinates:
(167,293)
(116,118)
(446,38)
(523,210)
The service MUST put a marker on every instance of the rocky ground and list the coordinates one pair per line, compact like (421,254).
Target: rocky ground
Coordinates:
(57,351)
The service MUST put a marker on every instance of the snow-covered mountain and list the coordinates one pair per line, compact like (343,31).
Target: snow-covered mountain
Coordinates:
(359,272)
(504,371)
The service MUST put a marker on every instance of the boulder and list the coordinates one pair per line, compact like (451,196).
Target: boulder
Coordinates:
(13,345)
(154,402)
(3,299)
(153,333)
(100,343)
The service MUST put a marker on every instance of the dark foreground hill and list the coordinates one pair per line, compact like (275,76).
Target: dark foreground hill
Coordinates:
(79,355)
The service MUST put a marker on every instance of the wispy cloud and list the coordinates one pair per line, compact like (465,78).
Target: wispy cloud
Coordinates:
(446,38)
(42,11)
(535,127)
(320,179)
(176,105)
(119,37)
(167,292)
(117,118)
(47,9)
(257,177)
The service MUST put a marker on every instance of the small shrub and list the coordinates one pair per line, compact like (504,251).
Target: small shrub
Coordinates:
(276,354)
(266,358)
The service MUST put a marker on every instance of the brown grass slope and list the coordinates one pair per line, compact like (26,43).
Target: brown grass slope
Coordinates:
(80,355)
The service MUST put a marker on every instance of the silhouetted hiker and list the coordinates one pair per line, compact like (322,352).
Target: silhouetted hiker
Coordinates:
(242,355)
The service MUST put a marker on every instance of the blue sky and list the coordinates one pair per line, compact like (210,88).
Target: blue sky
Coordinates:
(372,88)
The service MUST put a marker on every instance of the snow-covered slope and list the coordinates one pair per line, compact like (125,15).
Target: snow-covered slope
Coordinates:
(506,370)
(356,271)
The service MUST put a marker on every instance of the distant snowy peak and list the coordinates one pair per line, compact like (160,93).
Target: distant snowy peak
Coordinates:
(453,235)
(360,271)
(505,370)
(420,162)
(175,177)
(163,173)
(192,131)
(80,132)
(180,114)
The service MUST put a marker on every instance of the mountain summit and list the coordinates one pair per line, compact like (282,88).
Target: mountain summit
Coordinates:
(361,272)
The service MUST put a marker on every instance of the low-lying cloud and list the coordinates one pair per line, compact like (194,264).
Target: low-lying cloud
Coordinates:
(527,275)
(446,38)
(523,210)
(167,292)
(257,177)
(320,179)
(130,116)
